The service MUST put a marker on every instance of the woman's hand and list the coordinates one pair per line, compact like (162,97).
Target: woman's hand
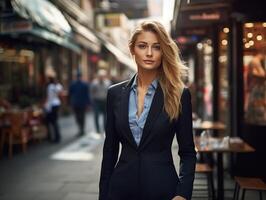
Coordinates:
(178,198)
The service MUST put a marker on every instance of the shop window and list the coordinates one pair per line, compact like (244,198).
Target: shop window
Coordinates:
(205,79)
(254,60)
(223,100)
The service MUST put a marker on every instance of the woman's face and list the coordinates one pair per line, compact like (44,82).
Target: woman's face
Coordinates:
(147,51)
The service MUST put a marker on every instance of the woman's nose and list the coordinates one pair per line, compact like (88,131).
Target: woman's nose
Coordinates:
(149,51)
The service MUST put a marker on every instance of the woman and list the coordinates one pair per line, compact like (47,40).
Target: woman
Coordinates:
(144,114)
(52,104)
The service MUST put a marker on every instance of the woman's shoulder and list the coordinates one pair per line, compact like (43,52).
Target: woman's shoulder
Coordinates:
(118,86)
(186,93)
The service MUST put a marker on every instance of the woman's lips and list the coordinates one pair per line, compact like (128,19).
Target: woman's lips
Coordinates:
(148,61)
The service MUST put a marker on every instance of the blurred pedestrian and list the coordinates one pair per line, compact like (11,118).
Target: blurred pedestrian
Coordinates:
(79,100)
(52,105)
(143,115)
(98,89)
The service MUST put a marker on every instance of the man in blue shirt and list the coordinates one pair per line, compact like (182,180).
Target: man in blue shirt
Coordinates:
(79,100)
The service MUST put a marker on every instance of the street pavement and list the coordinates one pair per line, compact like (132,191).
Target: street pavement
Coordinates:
(66,171)
(69,170)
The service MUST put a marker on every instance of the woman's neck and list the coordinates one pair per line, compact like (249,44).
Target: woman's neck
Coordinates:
(145,78)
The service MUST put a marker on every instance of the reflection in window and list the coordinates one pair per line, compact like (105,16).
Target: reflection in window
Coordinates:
(254,73)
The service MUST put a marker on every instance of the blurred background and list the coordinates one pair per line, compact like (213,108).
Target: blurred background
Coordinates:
(221,41)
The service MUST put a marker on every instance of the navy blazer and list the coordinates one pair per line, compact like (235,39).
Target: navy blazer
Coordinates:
(146,172)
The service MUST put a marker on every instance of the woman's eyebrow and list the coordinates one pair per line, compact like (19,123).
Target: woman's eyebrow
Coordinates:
(147,42)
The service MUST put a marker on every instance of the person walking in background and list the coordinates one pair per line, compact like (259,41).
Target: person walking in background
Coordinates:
(52,105)
(79,100)
(98,90)
(143,115)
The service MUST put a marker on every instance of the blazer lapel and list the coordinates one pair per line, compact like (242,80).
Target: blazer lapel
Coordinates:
(124,113)
(155,109)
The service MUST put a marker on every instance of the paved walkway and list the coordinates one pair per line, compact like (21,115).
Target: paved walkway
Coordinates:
(65,171)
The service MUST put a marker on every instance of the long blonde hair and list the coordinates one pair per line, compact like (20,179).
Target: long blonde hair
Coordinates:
(171,70)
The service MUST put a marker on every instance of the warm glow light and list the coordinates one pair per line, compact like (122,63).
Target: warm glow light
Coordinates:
(224,42)
(249,25)
(199,45)
(247,45)
(259,37)
(244,39)
(264,24)
(250,35)
(28,53)
(222,59)
(226,30)
(209,42)
(251,42)
(10,52)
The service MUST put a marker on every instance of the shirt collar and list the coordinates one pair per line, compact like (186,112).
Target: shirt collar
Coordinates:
(153,85)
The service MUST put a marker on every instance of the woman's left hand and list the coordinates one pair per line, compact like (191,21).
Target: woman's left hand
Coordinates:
(178,198)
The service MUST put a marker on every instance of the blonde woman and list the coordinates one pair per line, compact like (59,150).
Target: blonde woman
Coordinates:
(143,115)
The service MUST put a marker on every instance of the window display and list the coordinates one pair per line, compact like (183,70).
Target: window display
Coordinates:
(254,73)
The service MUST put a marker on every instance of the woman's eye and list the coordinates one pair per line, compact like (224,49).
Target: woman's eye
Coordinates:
(157,47)
(141,46)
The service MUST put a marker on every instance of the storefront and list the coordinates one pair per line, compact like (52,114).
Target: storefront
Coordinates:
(32,45)
(254,73)
(254,95)
(229,69)
(197,30)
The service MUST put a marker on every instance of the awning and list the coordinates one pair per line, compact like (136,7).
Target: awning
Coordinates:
(43,13)
(191,16)
(18,26)
(42,19)
(40,32)
(88,36)
(120,55)
(70,7)
(85,37)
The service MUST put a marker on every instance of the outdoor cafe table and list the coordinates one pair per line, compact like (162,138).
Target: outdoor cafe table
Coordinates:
(209,125)
(236,145)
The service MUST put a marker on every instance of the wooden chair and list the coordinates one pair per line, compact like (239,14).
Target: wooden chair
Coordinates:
(247,183)
(204,168)
(17,132)
(37,127)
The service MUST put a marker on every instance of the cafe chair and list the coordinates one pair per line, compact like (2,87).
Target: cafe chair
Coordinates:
(248,183)
(18,131)
(36,125)
(207,170)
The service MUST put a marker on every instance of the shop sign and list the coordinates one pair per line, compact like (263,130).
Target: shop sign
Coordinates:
(205,16)
(15,26)
(196,31)
(202,17)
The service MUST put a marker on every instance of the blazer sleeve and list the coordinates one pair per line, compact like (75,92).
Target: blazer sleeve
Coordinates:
(187,151)
(110,149)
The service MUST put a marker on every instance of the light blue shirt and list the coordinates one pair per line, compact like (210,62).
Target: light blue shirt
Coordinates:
(137,124)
